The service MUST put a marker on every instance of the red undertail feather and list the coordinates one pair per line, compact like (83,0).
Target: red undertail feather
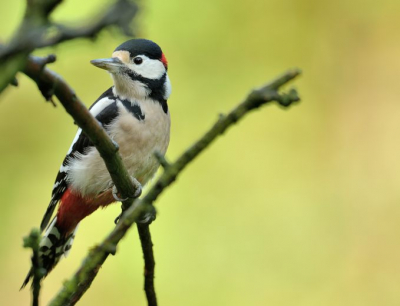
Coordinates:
(60,234)
(73,208)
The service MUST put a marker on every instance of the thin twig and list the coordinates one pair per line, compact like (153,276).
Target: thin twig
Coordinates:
(74,288)
(149,263)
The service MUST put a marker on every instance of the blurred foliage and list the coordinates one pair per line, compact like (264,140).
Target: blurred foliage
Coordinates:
(296,207)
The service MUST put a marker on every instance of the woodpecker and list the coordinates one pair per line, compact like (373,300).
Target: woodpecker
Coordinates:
(134,113)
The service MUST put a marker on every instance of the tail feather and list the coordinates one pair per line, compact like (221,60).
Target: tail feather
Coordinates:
(27,279)
(53,245)
(48,214)
(70,241)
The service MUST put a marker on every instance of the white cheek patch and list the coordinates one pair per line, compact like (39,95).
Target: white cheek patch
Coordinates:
(149,68)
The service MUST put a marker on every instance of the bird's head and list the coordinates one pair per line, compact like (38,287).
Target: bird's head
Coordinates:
(139,70)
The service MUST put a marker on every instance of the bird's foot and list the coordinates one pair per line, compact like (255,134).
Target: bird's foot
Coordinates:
(115,195)
(138,187)
(118,218)
(148,217)
(138,190)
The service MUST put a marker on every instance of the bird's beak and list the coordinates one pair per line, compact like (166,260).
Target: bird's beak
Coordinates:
(113,64)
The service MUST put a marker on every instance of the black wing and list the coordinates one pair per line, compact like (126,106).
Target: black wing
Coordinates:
(80,144)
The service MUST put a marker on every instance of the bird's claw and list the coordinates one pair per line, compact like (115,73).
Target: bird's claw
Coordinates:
(115,195)
(118,218)
(148,217)
(138,190)
(138,187)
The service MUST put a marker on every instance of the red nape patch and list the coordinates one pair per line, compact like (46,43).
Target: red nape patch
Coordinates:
(73,208)
(164,61)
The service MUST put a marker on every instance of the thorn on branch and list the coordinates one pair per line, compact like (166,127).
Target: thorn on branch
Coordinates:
(52,101)
(43,61)
(47,93)
(286,99)
(110,248)
(51,58)
(14,82)
(47,89)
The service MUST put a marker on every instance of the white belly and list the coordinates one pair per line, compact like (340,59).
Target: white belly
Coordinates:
(137,140)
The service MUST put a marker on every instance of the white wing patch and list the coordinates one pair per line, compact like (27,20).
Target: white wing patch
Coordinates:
(95,110)
(100,105)
(78,133)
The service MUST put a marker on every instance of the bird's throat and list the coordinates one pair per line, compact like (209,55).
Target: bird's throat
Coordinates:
(128,89)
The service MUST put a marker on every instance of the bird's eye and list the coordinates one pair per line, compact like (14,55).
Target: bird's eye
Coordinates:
(138,60)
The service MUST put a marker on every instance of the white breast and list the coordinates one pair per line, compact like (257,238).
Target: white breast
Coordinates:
(137,140)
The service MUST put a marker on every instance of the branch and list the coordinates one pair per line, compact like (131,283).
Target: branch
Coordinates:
(149,263)
(33,241)
(36,31)
(74,288)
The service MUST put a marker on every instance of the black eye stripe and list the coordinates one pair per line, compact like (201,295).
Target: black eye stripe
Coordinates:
(156,86)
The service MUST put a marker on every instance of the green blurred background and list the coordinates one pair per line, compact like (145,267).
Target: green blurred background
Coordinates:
(290,207)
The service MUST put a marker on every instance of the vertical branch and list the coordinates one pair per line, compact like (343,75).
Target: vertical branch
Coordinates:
(149,263)
(33,241)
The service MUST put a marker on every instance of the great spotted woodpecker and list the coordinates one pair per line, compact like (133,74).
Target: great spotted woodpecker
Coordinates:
(134,112)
